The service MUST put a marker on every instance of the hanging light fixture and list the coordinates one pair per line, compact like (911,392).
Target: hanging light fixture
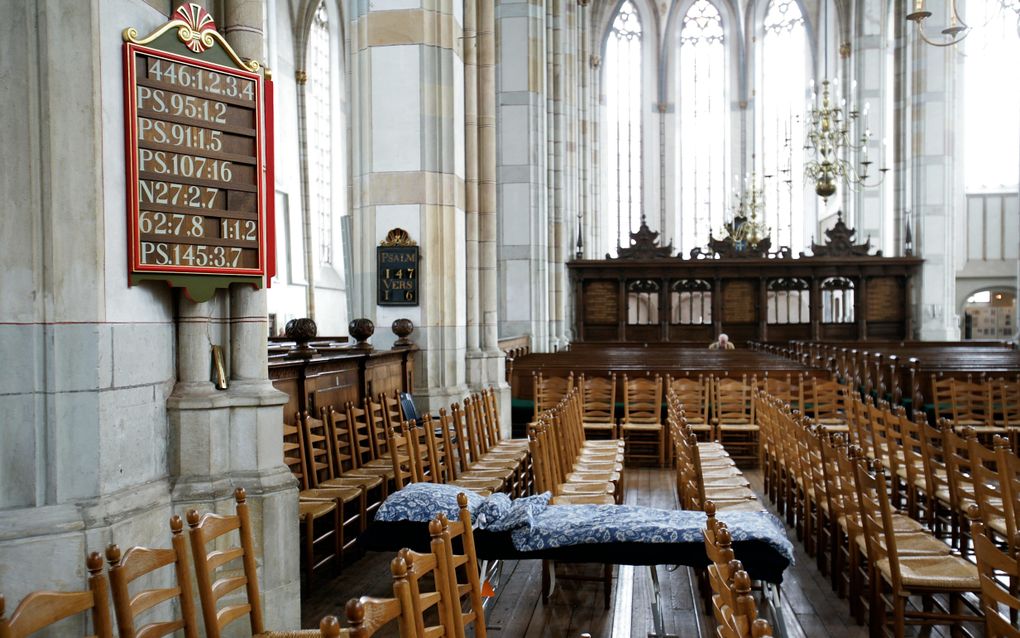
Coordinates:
(954,33)
(746,225)
(830,137)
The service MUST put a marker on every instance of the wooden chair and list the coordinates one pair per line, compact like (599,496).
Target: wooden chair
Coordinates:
(403,459)
(826,400)
(972,406)
(547,391)
(459,464)
(996,569)
(42,609)
(366,616)
(1006,405)
(468,588)
(905,575)
(214,585)
(376,483)
(351,493)
(599,395)
(693,395)
(427,591)
(441,470)
(641,427)
(139,561)
(734,418)
(549,476)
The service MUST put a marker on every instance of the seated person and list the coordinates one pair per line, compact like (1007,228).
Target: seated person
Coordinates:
(722,343)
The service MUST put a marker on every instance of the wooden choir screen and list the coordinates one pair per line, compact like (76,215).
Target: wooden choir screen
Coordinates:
(648,295)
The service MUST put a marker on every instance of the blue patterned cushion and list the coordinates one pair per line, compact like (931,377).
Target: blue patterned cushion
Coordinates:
(421,502)
(491,510)
(521,513)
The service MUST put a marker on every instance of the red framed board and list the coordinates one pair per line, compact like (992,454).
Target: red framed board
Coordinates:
(198,133)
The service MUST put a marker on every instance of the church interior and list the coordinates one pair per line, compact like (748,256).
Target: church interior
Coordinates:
(510,318)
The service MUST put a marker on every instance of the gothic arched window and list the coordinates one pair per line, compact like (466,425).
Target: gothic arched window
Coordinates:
(320,132)
(784,80)
(622,88)
(703,125)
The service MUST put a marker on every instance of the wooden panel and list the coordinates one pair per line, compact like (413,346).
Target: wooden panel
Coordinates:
(885,299)
(333,382)
(601,302)
(383,373)
(738,301)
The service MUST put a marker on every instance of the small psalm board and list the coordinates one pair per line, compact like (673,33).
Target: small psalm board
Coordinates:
(397,259)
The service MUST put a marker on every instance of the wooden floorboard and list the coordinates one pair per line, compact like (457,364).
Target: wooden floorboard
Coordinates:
(809,606)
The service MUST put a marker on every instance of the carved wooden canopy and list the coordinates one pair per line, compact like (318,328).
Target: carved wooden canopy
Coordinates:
(644,244)
(839,242)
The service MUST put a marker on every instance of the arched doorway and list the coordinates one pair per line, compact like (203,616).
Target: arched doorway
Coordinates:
(990,314)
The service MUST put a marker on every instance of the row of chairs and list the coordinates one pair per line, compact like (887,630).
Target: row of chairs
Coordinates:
(573,469)
(733,605)
(717,408)
(988,405)
(704,469)
(221,569)
(345,464)
(842,499)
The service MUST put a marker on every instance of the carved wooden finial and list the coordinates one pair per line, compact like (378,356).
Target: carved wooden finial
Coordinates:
(176,524)
(193,518)
(94,563)
(329,627)
(240,495)
(355,610)
(113,554)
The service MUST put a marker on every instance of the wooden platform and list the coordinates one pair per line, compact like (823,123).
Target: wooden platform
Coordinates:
(809,606)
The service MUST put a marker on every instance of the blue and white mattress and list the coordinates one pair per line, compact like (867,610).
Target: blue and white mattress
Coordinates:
(530,528)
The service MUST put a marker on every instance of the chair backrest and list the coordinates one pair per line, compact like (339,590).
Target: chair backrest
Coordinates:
(402,456)
(826,398)
(423,569)
(693,394)
(731,400)
(366,615)
(138,561)
(360,434)
(958,467)
(339,430)
(391,408)
(971,401)
(377,427)
(989,493)
(1007,401)
(294,451)
(467,589)
(1008,466)
(547,391)
(599,398)
(876,518)
(995,568)
(318,450)
(41,609)
(942,396)
(789,389)
(205,529)
(642,399)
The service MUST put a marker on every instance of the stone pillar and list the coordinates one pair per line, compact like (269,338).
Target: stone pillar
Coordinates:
(521,164)
(194,347)
(475,368)
(936,197)
(409,127)
(222,440)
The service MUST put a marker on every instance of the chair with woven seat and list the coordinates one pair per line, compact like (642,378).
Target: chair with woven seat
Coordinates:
(641,427)
(599,397)
(939,514)
(42,609)
(972,406)
(428,595)
(1006,406)
(446,534)
(904,575)
(366,615)
(693,396)
(826,402)
(135,563)
(999,574)
(733,418)
(344,464)
(350,494)
(215,581)
(548,391)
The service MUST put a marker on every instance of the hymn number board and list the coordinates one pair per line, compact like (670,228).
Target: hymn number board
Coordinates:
(197,202)
(397,264)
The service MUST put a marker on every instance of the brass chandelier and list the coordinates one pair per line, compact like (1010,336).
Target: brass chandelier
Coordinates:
(746,225)
(957,30)
(832,139)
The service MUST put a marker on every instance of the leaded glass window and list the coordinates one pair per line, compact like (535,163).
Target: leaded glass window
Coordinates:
(784,82)
(623,93)
(320,134)
(703,113)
